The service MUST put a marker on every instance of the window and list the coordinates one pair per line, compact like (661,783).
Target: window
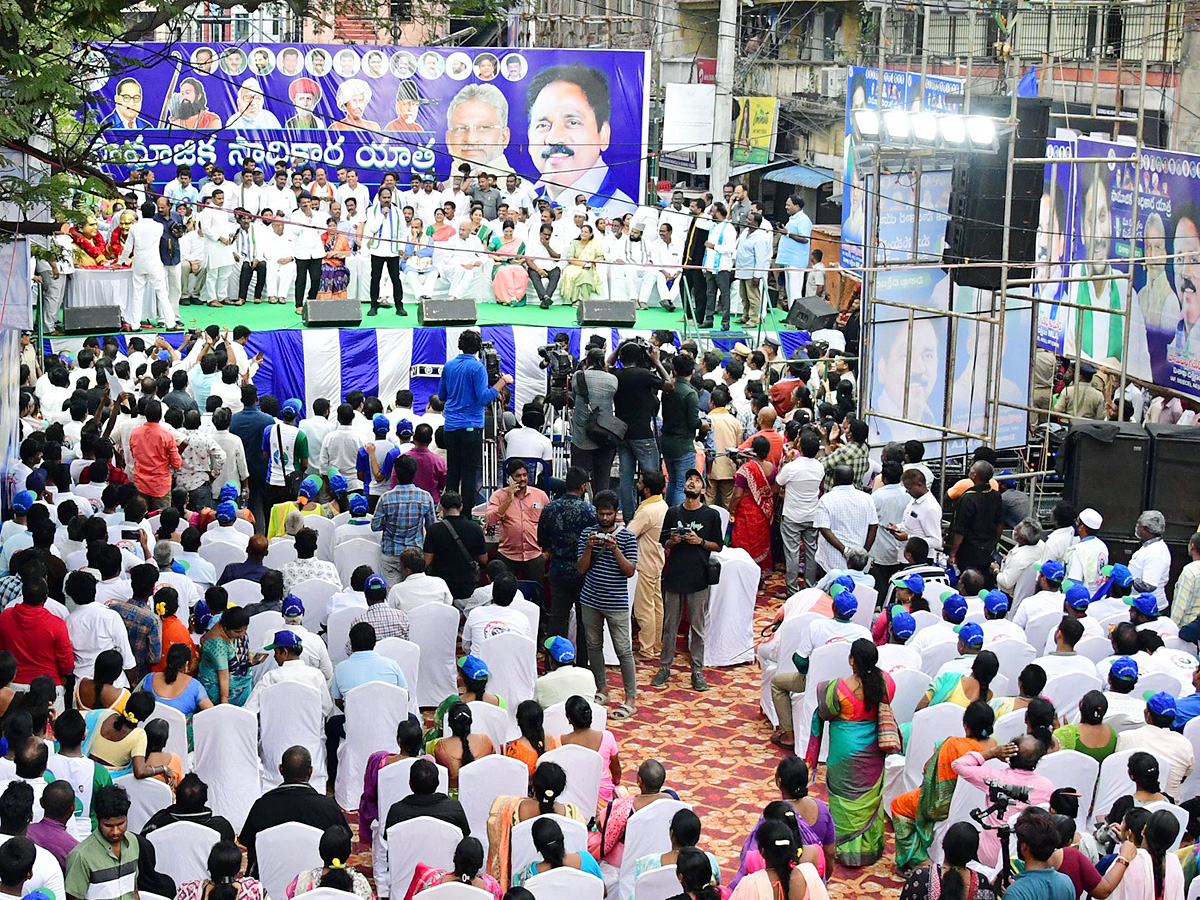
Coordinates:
(400,10)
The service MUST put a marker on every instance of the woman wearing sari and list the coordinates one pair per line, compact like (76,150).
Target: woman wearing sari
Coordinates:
(607,842)
(964,688)
(225,659)
(419,273)
(784,878)
(335,274)
(952,881)
(854,769)
(548,782)
(1155,873)
(468,865)
(580,280)
(118,740)
(510,280)
(441,229)
(480,228)
(915,813)
(753,504)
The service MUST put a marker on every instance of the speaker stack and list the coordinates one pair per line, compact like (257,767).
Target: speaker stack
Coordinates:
(1106,465)
(1171,486)
(329,313)
(91,319)
(811,314)
(622,313)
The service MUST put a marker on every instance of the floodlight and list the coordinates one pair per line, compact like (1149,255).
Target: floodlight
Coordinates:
(954,131)
(897,125)
(982,133)
(924,128)
(866,124)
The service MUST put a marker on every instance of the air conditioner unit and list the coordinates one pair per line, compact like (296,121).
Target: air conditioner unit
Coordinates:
(833,81)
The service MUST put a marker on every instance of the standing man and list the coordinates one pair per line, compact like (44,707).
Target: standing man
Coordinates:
(143,244)
(403,514)
(977,525)
(922,516)
(517,509)
(563,520)
(845,517)
(463,388)
(154,456)
(285,447)
(384,234)
(753,263)
(691,532)
(248,426)
(891,501)
(635,403)
(693,260)
(801,480)
(727,435)
(646,526)
(1089,556)
(739,205)
(680,422)
(795,242)
(217,231)
(169,253)
(1151,562)
(719,256)
(309,249)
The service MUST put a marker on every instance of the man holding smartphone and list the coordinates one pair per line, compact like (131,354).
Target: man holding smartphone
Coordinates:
(517,509)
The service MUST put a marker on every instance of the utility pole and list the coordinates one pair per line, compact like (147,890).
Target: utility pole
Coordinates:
(723,113)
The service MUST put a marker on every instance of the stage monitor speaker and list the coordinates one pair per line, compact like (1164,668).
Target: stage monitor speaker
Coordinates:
(811,314)
(1172,482)
(446,312)
(92,320)
(1107,473)
(979,195)
(606,312)
(322,313)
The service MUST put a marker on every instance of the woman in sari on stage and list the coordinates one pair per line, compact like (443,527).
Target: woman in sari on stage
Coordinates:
(509,278)
(441,230)
(580,280)
(335,274)
(753,504)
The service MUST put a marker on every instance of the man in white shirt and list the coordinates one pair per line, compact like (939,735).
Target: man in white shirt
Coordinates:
(1048,598)
(1060,540)
(279,195)
(970,642)
(224,530)
(309,250)
(528,441)
(193,259)
(995,626)
(1156,736)
(1151,562)
(845,517)
(1143,613)
(340,448)
(498,617)
(313,652)
(923,516)
(1064,660)
(462,263)
(954,610)
(1020,558)
(801,480)
(353,189)
(417,588)
(1126,708)
(665,258)
(720,255)
(753,260)
(145,236)
(93,627)
(1086,558)
(287,647)
(217,228)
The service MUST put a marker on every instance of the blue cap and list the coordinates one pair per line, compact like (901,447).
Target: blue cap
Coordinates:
(163,354)
(404,427)
(1146,604)
(971,634)
(293,606)
(1118,574)
(904,625)
(473,667)
(1008,483)
(841,583)
(229,491)
(309,488)
(284,639)
(380,424)
(1052,570)
(200,611)
(912,582)
(845,604)
(338,483)
(292,406)
(1123,668)
(226,511)
(996,602)
(1161,704)
(22,501)
(561,650)
(1077,596)
(36,480)
(358,504)
(954,607)
(375,583)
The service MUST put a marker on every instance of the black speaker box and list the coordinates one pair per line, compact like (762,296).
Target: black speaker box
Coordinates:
(606,312)
(90,320)
(446,312)
(1108,475)
(322,313)
(1172,483)
(979,193)
(811,313)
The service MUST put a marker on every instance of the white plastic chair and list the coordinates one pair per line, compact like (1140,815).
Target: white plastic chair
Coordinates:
(930,726)
(182,850)
(421,840)
(1070,768)
(1178,812)
(244,527)
(1114,780)
(567,882)
(1158,681)
(354,553)
(657,884)
(1066,690)
(262,628)
(512,660)
(340,519)
(1013,656)
(787,638)
(283,851)
(554,718)
(146,797)
(584,769)
(177,737)
(867,598)
(290,715)
(523,851)
(434,628)
(486,718)
(827,663)
(937,655)
(1093,647)
(1009,726)
(226,759)
(482,781)
(324,528)
(221,554)
(337,631)
(373,712)
(1191,784)
(648,831)
(924,618)
(911,685)
(453,890)
(407,656)
(279,554)
(315,594)
(242,591)
(530,611)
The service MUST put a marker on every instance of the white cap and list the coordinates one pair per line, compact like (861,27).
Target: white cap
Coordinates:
(1091,518)
(740,349)
(579,211)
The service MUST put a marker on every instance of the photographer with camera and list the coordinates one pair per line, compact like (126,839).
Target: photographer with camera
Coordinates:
(596,432)
(464,389)
(639,380)
(559,365)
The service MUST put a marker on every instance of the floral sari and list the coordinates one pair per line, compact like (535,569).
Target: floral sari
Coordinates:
(502,818)
(335,275)
(752,517)
(854,769)
(915,813)
(426,877)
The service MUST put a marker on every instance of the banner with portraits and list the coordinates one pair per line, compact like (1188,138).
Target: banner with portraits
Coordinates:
(571,122)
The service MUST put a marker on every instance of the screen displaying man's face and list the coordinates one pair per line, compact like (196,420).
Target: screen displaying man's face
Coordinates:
(565,140)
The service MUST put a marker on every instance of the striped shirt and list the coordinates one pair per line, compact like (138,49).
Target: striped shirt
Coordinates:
(94,873)
(605,586)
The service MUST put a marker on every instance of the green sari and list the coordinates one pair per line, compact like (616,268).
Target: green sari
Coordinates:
(916,813)
(854,770)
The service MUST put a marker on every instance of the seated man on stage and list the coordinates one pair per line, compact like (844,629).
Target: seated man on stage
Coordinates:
(464,264)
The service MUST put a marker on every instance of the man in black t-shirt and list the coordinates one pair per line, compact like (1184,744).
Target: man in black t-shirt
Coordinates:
(445,558)
(639,380)
(690,533)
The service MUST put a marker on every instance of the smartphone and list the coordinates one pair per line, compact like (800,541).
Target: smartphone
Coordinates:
(128,534)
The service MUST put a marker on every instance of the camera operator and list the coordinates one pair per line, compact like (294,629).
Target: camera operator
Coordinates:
(464,389)
(639,380)
(593,389)
(560,365)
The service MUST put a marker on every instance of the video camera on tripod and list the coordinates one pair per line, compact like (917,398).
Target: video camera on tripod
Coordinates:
(491,360)
(1000,797)
(559,364)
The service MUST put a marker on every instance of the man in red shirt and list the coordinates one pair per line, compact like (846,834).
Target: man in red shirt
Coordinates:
(766,428)
(155,454)
(36,637)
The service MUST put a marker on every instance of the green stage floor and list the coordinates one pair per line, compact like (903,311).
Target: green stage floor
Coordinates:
(265,317)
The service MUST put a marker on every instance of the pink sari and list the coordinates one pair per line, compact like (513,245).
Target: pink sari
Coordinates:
(758,886)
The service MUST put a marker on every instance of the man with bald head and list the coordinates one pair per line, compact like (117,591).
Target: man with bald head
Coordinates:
(977,524)
(1186,270)
(766,428)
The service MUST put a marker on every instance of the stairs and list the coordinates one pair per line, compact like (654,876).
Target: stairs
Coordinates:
(353,30)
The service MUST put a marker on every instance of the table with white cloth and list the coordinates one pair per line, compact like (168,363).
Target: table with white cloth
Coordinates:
(100,287)
(729,637)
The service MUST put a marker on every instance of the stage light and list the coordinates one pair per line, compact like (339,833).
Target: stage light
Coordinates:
(897,125)
(866,124)
(924,128)
(982,133)
(954,131)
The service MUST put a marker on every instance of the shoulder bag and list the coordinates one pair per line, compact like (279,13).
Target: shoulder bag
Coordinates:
(472,563)
(601,425)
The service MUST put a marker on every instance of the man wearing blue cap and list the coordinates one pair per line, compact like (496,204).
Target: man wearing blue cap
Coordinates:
(1076,602)
(1049,595)
(373,457)
(224,530)
(563,677)
(287,647)
(1126,708)
(954,611)
(285,448)
(1157,737)
(1143,613)
(359,523)
(970,642)
(995,625)
(313,651)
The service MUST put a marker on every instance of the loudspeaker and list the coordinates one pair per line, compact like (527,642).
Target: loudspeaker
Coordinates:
(92,319)
(319,313)
(606,312)
(979,192)
(811,314)
(1171,487)
(1109,476)
(446,312)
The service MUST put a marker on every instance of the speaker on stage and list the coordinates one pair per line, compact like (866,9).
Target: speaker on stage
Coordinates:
(606,312)
(1105,465)
(92,319)
(811,314)
(446,312)
(979,195)
(328,313)
(1172,480)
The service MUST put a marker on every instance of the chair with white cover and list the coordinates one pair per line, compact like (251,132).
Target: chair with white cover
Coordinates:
(554,718)
(1026,586)
(182,850)
(341,519)
(177,737)
(373,712)
(243,592)
(867,597)
(279,554)
(244,526)
(226,759)
(337,631)
(407,656)
(319,893)
(1009,727)
(393,787)
(146,797)
(325,530)
(512,660)
(1178,812)
(1158,681)
(584,769)
(284,851)
(1070,768)
(221,554)
(1114,780)
(434,628)
(1191,784)
(924,618)
(657,884)
(531,611)
(828,662)
(1013,656)
(315,595)
(723,515)
(453,890)
(647,831)
(937,654)
(420,840)
(1093,647)
(489,719)
(1041,625)
(786,639)
(930,726)
(262,628)
(567,882)
(522,851)
(1066,690)
(482,781)
(911,685)
(354,553)
(289,715)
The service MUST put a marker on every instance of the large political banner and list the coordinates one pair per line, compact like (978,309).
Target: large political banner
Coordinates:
(572,122)
(1056,222)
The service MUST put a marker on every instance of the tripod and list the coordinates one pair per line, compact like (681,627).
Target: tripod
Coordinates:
(1000,803)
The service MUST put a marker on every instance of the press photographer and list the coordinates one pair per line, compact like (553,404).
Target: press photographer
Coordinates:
(639,380)
(559,365)
(596,432)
